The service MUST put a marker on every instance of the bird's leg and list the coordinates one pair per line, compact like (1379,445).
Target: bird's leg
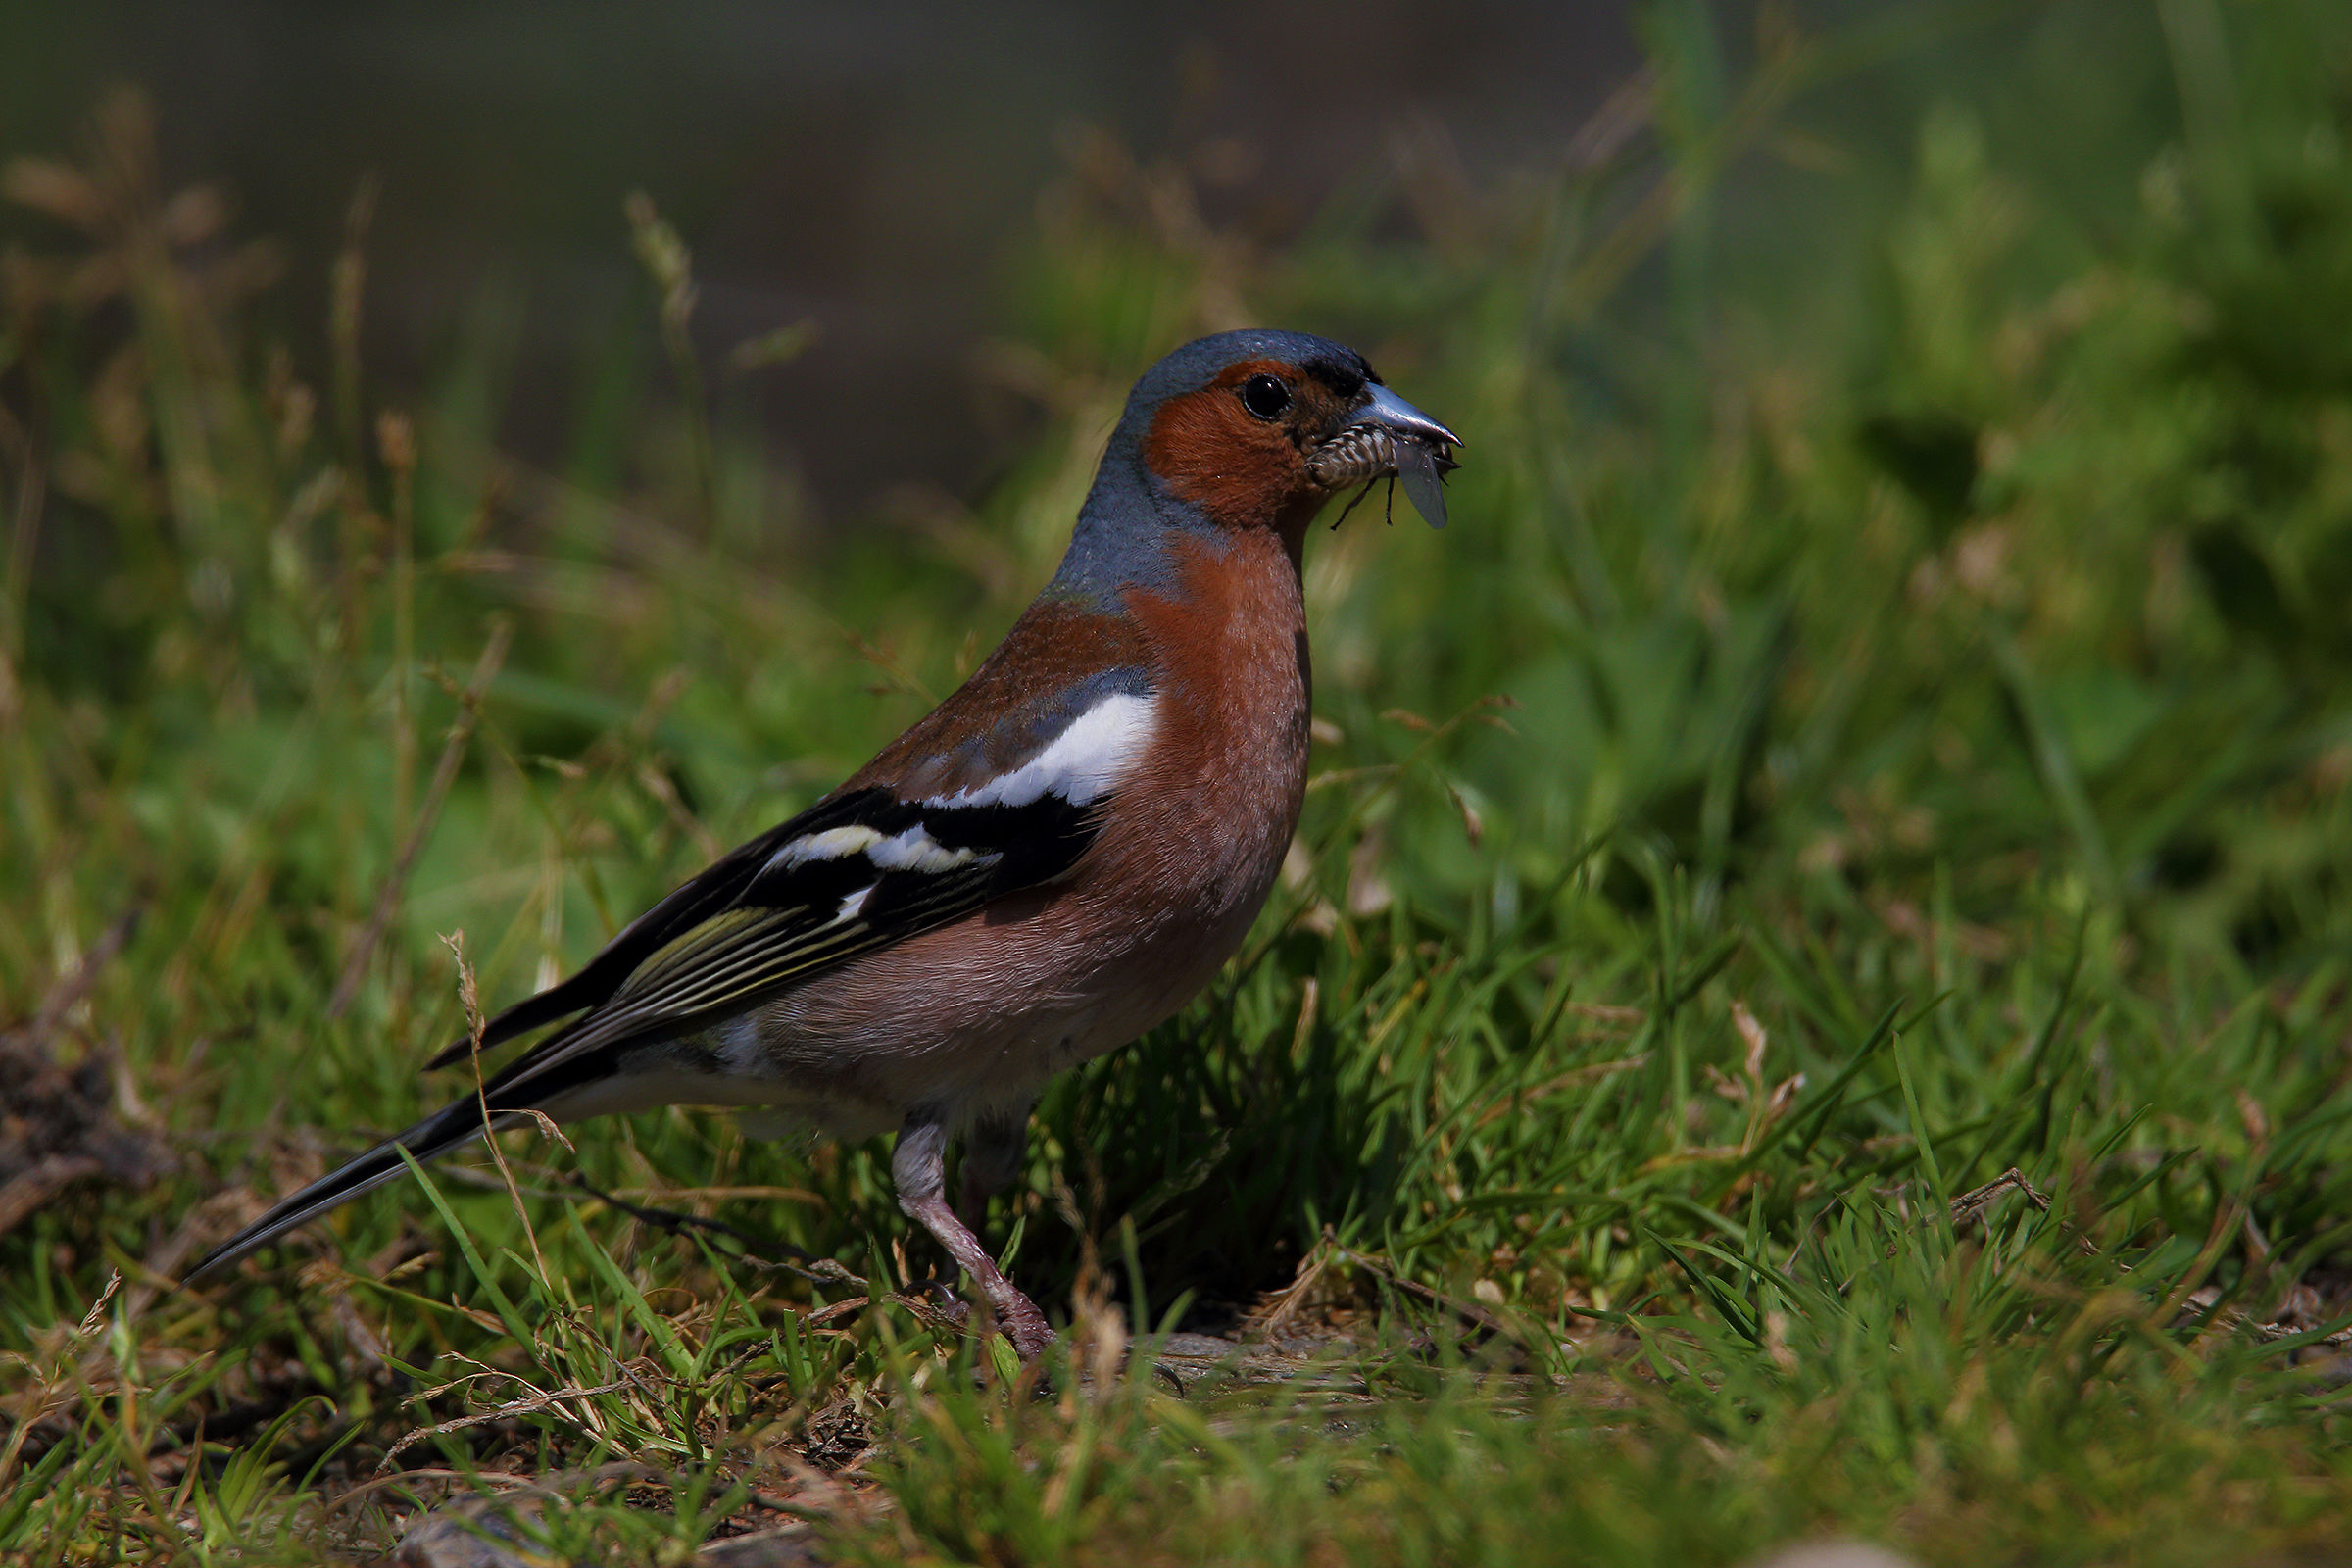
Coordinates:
(919,1169)
(992,1159)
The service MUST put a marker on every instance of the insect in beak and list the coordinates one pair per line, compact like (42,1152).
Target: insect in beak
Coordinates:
(1391,439)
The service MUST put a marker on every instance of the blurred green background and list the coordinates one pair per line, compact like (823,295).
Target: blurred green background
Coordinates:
(874,169)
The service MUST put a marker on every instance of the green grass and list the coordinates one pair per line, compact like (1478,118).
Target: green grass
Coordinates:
(1881,718)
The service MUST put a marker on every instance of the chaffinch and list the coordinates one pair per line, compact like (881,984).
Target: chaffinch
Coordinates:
(1051,863)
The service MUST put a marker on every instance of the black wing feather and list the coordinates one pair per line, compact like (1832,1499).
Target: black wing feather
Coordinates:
(751,925)
(707,894)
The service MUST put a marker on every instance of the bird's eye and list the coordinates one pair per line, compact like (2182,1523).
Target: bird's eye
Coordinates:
(1265,396)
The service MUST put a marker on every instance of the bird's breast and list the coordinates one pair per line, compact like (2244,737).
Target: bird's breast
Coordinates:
(1189,848)
(1204,822)
(1192,839)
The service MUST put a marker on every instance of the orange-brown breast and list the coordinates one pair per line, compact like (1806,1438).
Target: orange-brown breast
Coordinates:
(999,1001)
(1228,763)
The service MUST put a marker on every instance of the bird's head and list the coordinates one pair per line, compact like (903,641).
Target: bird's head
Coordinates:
(1245,432)
(1259,428)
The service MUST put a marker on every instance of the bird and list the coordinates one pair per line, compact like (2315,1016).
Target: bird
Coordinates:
(1050,863)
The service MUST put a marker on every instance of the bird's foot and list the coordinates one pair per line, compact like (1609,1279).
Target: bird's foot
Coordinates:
(1014,1315)
(1019,1320)
(916,1166)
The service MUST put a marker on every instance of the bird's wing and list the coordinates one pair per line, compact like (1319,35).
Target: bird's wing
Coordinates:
(1006,802)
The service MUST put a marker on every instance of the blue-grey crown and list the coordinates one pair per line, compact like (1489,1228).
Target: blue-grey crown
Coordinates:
(1196,364)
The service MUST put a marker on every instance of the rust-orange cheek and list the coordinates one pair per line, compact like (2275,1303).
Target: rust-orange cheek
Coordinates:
(1211,454)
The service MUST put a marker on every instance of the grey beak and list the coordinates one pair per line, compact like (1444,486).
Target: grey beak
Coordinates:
(1392,412)
(1422,455)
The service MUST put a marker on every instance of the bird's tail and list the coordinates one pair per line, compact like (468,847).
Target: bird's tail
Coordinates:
(451,1127)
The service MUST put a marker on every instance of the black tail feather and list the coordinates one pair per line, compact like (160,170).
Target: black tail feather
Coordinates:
(451,1127)
(514,1095)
